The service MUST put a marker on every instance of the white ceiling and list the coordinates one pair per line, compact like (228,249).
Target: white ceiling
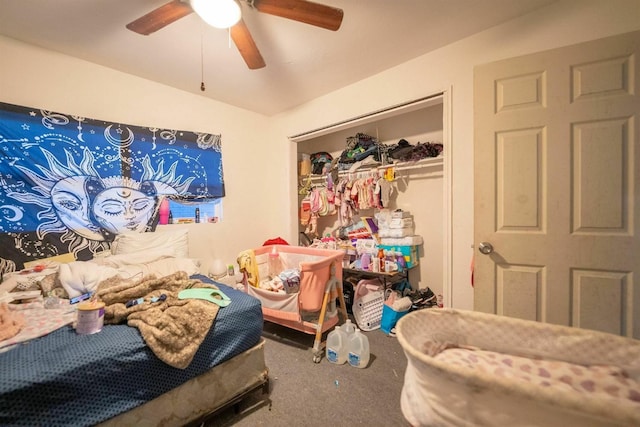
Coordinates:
(303,62)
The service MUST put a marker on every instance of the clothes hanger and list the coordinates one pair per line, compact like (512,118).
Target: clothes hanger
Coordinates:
(305,187)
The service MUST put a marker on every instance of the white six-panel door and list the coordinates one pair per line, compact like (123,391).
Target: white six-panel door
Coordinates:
(557,189)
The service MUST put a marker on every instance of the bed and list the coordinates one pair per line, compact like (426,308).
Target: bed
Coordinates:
(476,369)
(113,377)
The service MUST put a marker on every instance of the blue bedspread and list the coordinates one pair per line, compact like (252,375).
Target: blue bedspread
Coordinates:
(68,379)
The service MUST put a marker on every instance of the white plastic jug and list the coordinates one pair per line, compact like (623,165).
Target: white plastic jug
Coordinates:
(337,350)
(349,327)
(358,349)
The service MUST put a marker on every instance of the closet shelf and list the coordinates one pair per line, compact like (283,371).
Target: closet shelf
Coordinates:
(400,166)
(418,164)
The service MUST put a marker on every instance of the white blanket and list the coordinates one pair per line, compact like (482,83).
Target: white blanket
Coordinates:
(80,277)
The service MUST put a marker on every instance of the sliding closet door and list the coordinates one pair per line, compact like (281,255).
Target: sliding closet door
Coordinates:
(557,186)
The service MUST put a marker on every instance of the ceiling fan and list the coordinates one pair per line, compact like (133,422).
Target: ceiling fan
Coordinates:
(304,11)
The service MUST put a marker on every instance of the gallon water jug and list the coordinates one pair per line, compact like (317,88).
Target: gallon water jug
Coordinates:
(358,349)
(337,351)
(349,327)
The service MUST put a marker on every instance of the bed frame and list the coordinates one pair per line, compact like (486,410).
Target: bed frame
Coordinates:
(40,378)
(202,397)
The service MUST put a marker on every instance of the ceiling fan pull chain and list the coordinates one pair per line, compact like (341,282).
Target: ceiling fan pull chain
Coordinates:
(202,88)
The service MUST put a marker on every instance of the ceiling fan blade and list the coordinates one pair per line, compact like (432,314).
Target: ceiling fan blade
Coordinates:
(244,42)
(160,17)
(305,11)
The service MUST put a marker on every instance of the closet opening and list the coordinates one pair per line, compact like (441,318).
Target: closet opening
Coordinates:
(419,185)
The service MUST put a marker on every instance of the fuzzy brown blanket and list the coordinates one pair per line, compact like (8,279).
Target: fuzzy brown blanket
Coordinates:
(173,329)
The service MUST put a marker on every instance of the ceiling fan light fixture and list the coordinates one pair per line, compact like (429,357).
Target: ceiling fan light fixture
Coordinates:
(218,13)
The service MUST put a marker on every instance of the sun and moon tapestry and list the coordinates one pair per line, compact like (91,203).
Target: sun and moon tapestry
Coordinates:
(70,184)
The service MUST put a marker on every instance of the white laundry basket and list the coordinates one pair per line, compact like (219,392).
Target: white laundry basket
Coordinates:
(368,300)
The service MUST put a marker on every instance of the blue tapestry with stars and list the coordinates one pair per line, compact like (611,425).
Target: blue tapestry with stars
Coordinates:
(69,184)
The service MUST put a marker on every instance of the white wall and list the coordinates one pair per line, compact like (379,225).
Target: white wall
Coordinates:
(564,23)
(34,77)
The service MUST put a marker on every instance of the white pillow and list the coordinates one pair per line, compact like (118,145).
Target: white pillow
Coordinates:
(167,266)
(170,242)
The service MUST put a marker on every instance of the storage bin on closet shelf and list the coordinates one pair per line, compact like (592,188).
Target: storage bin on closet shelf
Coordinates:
(305,164)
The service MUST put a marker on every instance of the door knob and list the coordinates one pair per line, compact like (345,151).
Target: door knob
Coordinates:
(485,248)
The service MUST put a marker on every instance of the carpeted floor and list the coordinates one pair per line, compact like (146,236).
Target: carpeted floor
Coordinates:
(303,393)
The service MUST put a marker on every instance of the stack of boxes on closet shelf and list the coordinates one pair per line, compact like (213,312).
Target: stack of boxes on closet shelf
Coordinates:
(384,244)
(396,234)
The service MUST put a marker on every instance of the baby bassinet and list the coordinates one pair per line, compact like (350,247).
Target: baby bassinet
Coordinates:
(446,391)
(313,309)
